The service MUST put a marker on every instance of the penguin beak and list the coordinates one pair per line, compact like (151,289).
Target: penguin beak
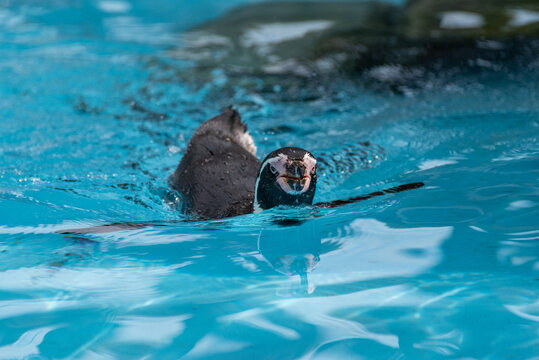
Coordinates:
(294,185)
(295,180)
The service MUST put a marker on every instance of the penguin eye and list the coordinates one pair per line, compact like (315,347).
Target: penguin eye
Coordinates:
(273,169)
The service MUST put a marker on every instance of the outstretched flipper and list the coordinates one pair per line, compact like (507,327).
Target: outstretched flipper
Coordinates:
(396,189)
(107,228)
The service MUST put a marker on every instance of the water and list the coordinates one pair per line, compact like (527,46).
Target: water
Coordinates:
(91,125)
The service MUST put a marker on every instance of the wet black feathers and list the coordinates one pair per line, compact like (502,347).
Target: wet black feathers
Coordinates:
(217,174)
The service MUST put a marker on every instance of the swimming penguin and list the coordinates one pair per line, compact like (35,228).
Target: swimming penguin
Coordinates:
(220,176)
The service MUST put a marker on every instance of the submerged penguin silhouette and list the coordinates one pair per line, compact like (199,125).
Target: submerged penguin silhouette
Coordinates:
(220,176)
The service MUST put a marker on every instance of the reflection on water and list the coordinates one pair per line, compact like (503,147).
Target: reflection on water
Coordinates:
(27,345)
(371,249)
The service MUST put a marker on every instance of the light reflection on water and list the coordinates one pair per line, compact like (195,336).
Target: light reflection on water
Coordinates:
(445,271)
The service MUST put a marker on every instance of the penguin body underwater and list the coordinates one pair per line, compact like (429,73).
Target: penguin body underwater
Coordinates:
(220,176)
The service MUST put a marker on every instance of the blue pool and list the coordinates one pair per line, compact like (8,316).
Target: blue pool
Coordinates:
(95,114)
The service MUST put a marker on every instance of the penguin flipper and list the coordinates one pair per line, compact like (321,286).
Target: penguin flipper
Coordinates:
(396,189)
(107,228)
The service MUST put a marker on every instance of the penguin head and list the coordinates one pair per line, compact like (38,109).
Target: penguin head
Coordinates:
(287,176)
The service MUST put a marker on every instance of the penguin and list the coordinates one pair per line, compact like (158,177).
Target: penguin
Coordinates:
(219,175)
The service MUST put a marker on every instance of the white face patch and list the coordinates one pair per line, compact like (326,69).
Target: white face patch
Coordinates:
(272,161)
(310,163)
(278,164)
(293,184)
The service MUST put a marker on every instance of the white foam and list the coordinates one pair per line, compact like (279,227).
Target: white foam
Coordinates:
(461,20)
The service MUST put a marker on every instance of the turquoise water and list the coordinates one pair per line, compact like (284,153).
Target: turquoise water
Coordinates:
(92,124)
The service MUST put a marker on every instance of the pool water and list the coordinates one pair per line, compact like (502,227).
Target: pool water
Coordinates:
(89,133)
